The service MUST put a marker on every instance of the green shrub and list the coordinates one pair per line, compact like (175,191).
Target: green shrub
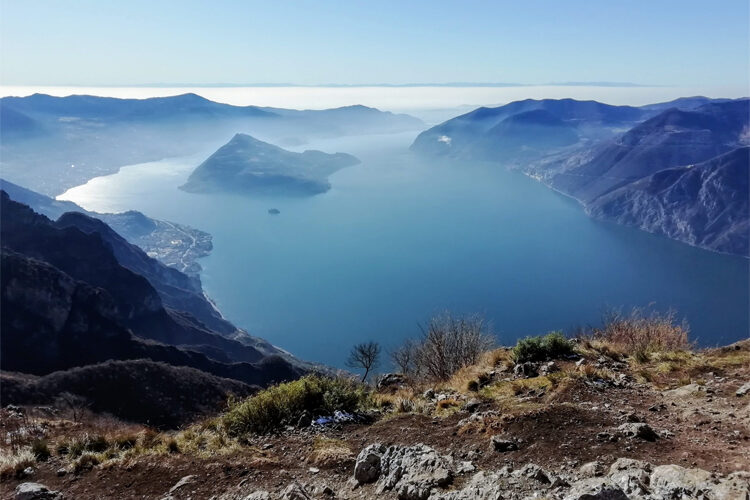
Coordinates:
(283,404)
(554,345)
(40,449)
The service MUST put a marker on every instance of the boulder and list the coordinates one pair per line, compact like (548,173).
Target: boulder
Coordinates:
(36,491)
(673,481)
(595,489)
(391,380)
(414,471)
(631,476)
(638,430)
(367,467)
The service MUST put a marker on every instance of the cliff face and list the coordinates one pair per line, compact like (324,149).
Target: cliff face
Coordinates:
(68,302)
(705,204)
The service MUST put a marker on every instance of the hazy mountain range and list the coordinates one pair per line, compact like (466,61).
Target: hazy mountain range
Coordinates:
(53,143)
(626,164)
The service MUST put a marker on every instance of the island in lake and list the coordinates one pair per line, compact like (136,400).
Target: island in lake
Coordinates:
(249,166)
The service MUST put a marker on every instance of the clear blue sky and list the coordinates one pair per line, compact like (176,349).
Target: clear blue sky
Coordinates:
(101,42)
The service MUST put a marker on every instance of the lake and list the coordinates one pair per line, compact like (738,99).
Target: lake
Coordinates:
(399,238)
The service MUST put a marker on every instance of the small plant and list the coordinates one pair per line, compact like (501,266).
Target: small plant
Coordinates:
(283,404)
(40,449)
(85,462)
(172,446)
(554,345)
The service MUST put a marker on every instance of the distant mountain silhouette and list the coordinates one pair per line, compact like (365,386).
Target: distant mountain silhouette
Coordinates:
(552,124)
(53,143)
(670,139)
(250,166)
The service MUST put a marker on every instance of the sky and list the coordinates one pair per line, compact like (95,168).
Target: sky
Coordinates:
(136,42)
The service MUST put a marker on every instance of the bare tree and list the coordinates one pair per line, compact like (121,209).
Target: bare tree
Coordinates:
(365,356)
(404,356)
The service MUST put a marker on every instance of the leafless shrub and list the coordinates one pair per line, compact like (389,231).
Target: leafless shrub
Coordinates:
(404,357)
(448,343)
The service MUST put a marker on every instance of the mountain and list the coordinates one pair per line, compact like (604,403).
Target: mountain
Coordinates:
(53,143)
(250,166)
(74,262)
(683,103)
(525,129)
(143,391)
(173,244)
(705,204)
(670,139)
(675,168)
(53,322)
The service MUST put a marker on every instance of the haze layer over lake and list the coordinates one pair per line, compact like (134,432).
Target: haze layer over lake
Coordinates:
(399,238)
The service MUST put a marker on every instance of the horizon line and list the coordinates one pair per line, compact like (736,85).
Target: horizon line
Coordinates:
(346,85)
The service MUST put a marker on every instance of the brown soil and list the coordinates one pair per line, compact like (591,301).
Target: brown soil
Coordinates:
(709,430)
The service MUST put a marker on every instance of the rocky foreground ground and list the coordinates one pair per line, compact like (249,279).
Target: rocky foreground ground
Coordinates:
(589,427)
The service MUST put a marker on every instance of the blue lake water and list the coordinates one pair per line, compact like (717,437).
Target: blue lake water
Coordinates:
(398,239)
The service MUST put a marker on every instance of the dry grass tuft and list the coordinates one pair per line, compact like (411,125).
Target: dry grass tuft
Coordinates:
(328,452)
(642,333)
(12,463)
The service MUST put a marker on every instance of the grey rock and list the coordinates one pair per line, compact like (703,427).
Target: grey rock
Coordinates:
(591,469)
(182,482)
(673,481)
(295,491)
(429,394)
(685,391)
(548,367)
(502,445)
(595,489)
(533,471)
(367,468)
(745,389)
(36,491)
(258,495)
(391,380)
(526,370)
(472,405)
(414,471)
(632,476)
(482,486)
(638,430)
